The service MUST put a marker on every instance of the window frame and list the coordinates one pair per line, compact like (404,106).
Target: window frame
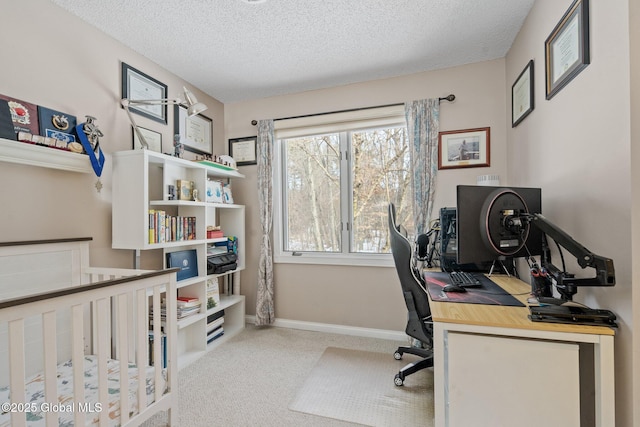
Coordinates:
(340,122)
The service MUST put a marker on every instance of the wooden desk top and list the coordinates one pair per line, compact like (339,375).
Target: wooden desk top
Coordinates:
(503,316)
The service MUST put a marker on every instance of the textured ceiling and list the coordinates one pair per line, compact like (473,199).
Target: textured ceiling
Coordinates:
(234,50)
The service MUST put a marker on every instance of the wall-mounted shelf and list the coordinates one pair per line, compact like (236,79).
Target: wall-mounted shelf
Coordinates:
(37,155)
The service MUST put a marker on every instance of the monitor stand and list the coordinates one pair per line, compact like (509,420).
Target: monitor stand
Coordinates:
(499,261)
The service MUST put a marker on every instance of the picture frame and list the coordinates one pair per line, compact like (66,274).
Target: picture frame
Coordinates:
(195,133)
(137,85)
(522,95)
(244,150)
(153,138)
(466,148)
(567,48)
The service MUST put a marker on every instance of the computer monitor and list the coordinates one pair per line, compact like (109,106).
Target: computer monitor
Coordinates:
(483,228)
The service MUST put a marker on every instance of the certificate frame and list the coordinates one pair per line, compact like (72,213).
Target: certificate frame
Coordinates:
(477,153)
(137,85)
(567,48)
(522,95)
(153,138)
(244,150)
(196,132)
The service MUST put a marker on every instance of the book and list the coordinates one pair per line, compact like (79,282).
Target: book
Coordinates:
(186,260)
(214,325)
(163,349)
(213,293)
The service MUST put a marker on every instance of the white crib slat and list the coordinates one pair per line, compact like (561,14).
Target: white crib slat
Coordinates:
(103,327)
(17,369)
(123,351)
(50,358)
(142,318)
(157,341)
(77,360)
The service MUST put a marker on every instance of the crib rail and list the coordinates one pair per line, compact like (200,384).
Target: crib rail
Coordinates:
(110,317)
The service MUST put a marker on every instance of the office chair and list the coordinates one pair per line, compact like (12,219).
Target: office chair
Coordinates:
(419,325)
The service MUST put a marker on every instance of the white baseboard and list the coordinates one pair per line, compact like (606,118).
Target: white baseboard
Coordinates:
(336,329)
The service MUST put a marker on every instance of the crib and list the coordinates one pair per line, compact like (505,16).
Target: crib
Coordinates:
(82,345)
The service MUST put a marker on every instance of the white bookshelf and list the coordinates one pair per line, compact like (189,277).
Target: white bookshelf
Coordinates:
(140,184)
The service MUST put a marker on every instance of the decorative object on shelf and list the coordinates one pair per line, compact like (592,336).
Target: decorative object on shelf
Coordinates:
(522,95)
(213,293)
(56,124)
(7,130)
(185,189)
(195,195)
(178,148)
(171,191)
(226,191)
(195,130)
(139,86)
(567,48)
(244,150)
(23,114)
(465,148)
(193,108)
(153,139)
(89,136)
(214,192)
(186,260)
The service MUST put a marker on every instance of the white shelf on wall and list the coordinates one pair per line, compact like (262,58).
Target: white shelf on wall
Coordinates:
(37,155)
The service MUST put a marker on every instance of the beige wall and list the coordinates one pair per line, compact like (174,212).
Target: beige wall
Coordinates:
(51,58)
(367,296)
(577,147)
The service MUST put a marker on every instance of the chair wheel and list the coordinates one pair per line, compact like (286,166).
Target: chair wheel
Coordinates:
(398,380)
(397,355)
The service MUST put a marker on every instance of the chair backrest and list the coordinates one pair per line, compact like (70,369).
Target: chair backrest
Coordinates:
(410,279)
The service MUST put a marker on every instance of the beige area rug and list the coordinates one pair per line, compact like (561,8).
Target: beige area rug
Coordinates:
(357,386)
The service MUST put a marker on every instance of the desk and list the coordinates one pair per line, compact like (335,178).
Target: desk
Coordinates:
(495,367)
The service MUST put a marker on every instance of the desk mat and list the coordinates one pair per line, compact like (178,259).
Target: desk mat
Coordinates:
(489,293)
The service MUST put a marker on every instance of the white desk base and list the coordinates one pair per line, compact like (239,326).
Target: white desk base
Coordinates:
(495,376)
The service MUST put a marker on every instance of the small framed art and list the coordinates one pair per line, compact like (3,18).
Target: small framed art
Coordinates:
(522,95)
(567,48)
(465,148)
(244,150)
(154,139)
(137,85)
(196,132)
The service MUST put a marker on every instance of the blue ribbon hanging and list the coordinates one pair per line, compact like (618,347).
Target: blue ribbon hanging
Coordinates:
(95,153)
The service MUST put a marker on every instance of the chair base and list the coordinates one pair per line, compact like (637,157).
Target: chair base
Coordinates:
(425,362)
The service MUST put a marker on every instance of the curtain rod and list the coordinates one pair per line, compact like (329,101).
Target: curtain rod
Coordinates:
(449,98)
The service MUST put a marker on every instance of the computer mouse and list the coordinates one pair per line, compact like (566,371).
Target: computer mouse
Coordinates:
(453,288)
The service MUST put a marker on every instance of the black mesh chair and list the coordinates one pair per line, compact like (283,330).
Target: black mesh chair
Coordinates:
(419,325)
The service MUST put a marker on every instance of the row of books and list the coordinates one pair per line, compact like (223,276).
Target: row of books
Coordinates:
(168,228)
(163,349)
(215,327)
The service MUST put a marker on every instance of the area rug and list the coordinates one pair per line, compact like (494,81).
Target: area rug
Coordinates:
(357,386)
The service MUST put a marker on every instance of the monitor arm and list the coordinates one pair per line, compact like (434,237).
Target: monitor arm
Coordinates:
(565,282)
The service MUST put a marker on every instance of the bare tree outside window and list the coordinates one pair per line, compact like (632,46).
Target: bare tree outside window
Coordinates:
(337,188)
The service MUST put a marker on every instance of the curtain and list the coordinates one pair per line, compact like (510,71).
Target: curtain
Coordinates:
(265,314)
(423,126)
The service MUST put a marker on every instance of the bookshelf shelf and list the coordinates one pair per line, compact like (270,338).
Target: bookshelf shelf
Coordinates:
(141,180)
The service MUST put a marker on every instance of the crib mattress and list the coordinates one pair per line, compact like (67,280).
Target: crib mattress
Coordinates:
(35,394)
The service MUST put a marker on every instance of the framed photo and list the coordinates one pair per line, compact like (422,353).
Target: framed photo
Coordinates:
(567,48)
(468,148)
(154,139)
(522,95)
(244,150)
(137,85)
(195,132)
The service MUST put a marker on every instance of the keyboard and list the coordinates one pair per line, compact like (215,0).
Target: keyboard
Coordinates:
(464,279)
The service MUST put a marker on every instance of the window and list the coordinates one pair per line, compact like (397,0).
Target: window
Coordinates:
(333,184)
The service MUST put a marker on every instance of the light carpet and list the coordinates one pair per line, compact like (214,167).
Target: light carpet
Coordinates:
(357,386)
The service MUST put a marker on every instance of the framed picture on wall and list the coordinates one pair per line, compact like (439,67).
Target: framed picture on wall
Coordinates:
(244,150)
(522,95)
(154,139)
(567,48)
(467,148)
(137,85)
(196,132)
